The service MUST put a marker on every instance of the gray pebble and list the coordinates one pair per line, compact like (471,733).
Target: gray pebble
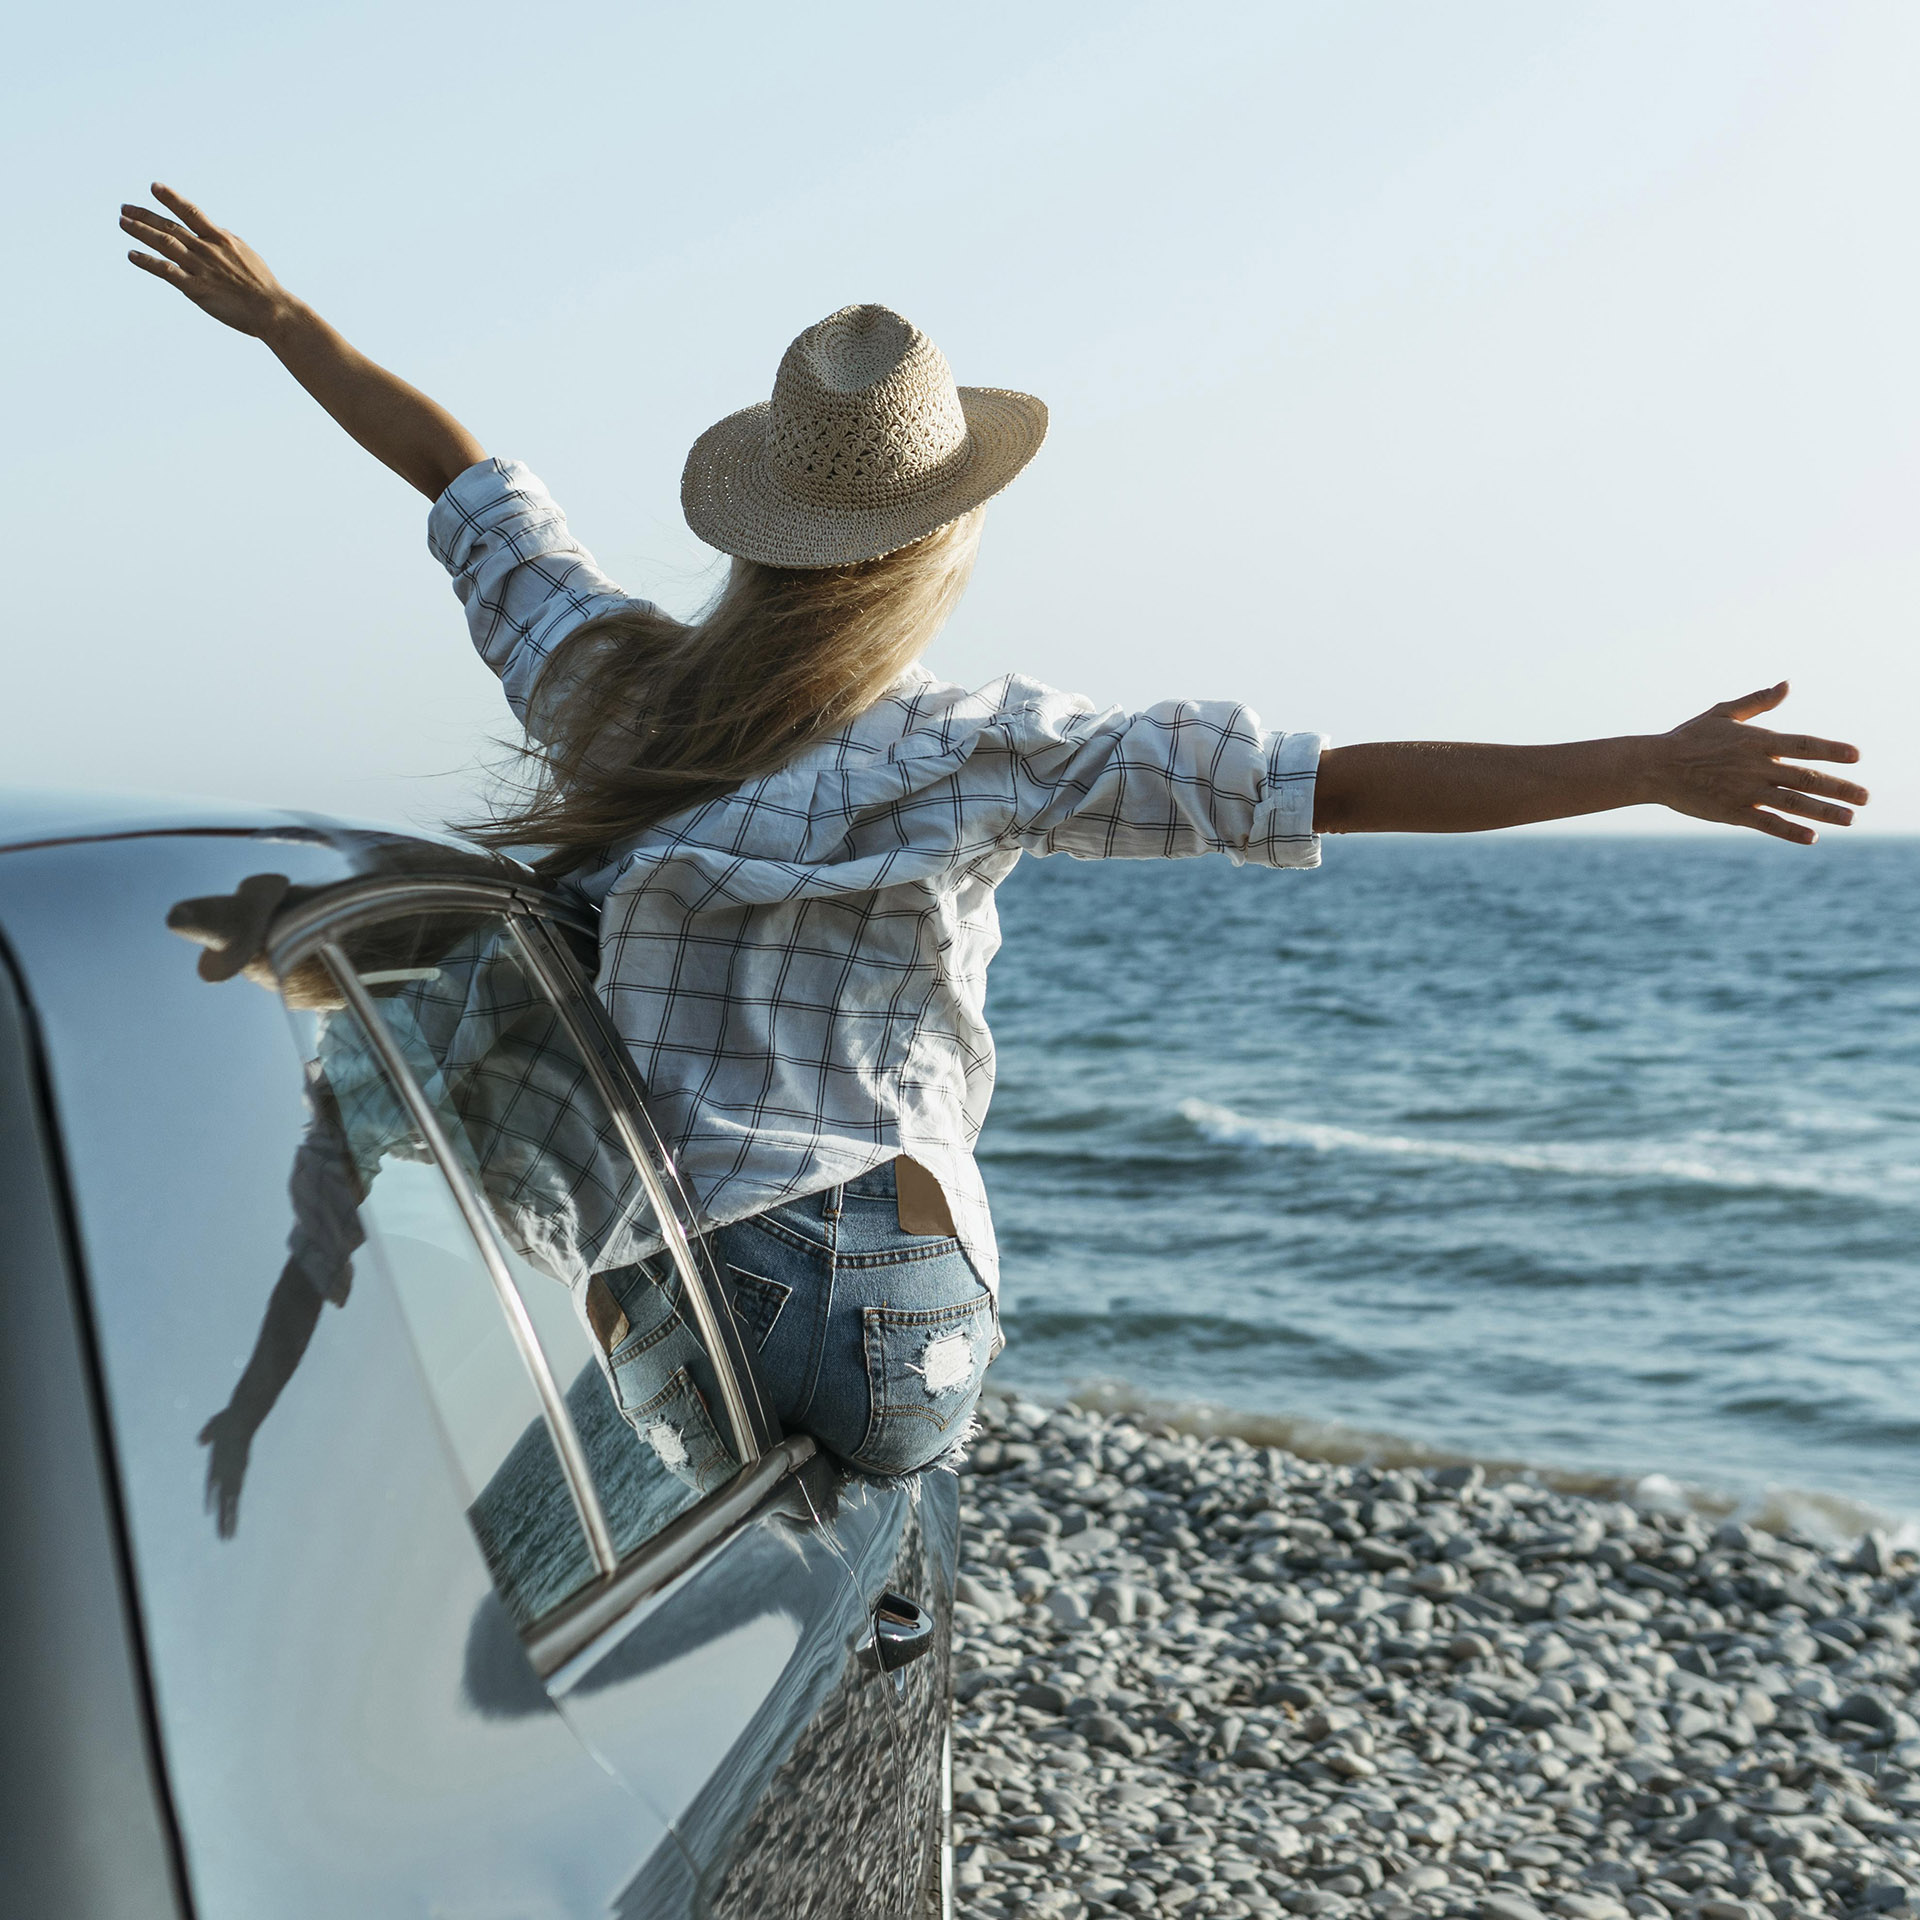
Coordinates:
(1107,1730)
(1591,1906)
(1508,1906)
(1043,1694)
(1067,1607)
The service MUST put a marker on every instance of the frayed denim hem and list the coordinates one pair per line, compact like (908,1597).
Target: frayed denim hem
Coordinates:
(950,1459)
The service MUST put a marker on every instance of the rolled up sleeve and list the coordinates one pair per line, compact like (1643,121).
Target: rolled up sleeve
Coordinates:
(526,583)
(1182,778)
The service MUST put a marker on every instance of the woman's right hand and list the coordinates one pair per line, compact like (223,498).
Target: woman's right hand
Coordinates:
(1717,767)
(215,269)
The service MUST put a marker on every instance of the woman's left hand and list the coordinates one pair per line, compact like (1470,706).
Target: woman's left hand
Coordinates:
(1718,768)
(420,440)
(215,269)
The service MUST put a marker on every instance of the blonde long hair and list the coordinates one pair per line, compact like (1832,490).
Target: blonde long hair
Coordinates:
(638,716)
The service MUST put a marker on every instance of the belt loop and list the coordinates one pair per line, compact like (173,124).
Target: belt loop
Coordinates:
(830,1216)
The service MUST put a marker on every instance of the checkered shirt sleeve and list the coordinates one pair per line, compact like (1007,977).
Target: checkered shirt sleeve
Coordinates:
(524,580)
(1182,778)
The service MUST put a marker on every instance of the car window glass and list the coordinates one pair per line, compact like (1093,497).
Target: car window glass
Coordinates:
(526,1122)
(518,1501)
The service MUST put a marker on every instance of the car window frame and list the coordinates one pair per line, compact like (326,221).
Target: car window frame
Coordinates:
(314,930)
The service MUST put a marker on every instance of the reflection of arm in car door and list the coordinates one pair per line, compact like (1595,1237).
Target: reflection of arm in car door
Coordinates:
(356,1122)
(330,1176)
(491,1053)
(326,1189)
(333,1170)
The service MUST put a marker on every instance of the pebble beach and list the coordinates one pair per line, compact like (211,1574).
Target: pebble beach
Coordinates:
(1202,1677)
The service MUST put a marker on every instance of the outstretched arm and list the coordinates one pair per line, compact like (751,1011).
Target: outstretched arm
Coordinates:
(293,1311)
(1713,768)
(423,443)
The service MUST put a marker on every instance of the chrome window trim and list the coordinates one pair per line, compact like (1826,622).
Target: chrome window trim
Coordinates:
(295,934)
(670,1203)
(571,1640)
(566,1439)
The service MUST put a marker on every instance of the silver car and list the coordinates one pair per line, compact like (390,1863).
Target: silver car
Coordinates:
(391,1525)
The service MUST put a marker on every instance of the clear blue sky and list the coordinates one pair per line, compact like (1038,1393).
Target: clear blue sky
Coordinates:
(1488,369)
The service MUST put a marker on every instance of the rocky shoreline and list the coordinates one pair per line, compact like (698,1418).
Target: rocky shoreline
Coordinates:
(1199,1677)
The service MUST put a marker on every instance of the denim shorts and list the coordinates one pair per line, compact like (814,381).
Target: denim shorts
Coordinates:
(872,1340)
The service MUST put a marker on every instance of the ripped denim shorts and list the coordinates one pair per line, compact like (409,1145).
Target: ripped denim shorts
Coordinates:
(872,1340)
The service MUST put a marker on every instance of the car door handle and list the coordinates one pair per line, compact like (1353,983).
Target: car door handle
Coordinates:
(902,1632)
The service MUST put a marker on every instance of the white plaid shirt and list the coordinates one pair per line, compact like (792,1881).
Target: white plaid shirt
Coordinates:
(800,966)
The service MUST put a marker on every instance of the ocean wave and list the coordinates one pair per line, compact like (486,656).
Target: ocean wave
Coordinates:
(1831,1519)
(1617,1160)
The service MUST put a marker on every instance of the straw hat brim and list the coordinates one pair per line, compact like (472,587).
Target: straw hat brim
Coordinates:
(733,500)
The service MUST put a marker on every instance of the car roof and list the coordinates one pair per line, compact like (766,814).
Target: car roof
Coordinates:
(52,816)
(78,830)
(32,816)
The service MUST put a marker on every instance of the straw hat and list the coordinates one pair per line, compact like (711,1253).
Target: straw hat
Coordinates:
(866,446)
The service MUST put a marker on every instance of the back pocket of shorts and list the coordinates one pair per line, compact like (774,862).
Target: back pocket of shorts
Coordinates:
(923,1374)
(675,1423)
(756,1302)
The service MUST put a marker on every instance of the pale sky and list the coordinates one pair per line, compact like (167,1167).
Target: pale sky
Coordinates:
(1486,370)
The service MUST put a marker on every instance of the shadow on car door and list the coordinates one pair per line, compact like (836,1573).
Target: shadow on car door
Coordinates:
(743,1705)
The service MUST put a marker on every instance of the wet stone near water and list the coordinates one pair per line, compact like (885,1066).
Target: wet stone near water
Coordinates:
(1262,1685)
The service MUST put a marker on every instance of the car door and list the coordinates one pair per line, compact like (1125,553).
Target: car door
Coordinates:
(336,1731)
(674,1572)
(925,1531)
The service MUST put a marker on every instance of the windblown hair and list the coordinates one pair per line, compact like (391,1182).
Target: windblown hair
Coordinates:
(638,716)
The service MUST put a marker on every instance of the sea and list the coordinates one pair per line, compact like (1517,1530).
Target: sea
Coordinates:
(1591,1158)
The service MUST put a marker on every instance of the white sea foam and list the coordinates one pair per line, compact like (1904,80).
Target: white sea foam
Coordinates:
(1584,1159)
